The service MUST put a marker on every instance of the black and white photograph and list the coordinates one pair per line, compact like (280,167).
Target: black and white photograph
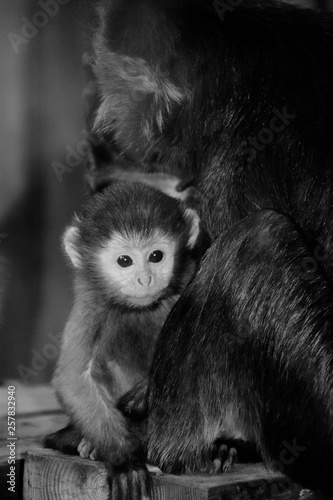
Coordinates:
(166,250)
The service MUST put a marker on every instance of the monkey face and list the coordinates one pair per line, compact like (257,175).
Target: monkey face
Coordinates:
(131,245)
(137,269)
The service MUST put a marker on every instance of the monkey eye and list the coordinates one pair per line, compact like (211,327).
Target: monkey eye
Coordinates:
(155,256)
(124,261)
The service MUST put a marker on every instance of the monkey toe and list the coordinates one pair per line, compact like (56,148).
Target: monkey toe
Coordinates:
(224,457)
(232,456)
(86,450)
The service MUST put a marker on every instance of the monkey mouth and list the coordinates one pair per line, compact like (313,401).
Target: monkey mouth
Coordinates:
(142,301)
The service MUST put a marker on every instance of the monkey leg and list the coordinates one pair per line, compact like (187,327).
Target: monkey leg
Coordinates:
(223,454)
(127,482)
(247,353)
(134,406)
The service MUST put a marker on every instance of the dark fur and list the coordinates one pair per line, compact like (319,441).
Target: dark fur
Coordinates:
(65,440)
(209,85)
(268,377)
(107,161)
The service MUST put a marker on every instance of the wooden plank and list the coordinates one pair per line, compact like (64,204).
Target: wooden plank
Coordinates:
(31,430)
(54,476)
(51,475)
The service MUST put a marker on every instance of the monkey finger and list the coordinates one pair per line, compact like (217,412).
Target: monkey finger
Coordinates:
(129,485)
(211,467)
(222,452)
(223,456)
(226,456)
(232,455)
(80,445)
(140,484)
(217,465)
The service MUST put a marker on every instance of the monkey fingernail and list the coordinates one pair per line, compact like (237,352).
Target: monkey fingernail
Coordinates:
(226,467)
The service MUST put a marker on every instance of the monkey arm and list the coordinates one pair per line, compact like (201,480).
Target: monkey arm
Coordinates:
(84,386)
(134,403)
(102,424)
(84,395)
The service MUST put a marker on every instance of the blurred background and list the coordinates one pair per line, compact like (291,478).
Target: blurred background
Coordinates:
(42,163)
(43,141)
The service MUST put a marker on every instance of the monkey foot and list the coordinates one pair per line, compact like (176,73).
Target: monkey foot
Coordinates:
(225,452)
(223,457)
(86,450)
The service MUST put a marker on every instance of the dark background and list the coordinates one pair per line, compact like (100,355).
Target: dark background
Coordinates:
(41,120)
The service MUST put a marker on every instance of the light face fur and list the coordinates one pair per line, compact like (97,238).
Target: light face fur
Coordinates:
(136,270)
(139,269)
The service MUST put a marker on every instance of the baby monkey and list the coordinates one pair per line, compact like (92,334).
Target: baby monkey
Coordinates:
(132,251)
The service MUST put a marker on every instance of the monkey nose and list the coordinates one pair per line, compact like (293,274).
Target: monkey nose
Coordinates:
(145,280)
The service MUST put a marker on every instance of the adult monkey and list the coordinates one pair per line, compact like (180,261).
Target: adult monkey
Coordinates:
(243,96)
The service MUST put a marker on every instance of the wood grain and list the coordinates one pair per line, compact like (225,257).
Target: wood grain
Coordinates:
(54,476)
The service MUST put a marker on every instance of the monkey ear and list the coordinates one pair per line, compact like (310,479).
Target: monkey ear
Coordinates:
(194,220)
(70,244)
